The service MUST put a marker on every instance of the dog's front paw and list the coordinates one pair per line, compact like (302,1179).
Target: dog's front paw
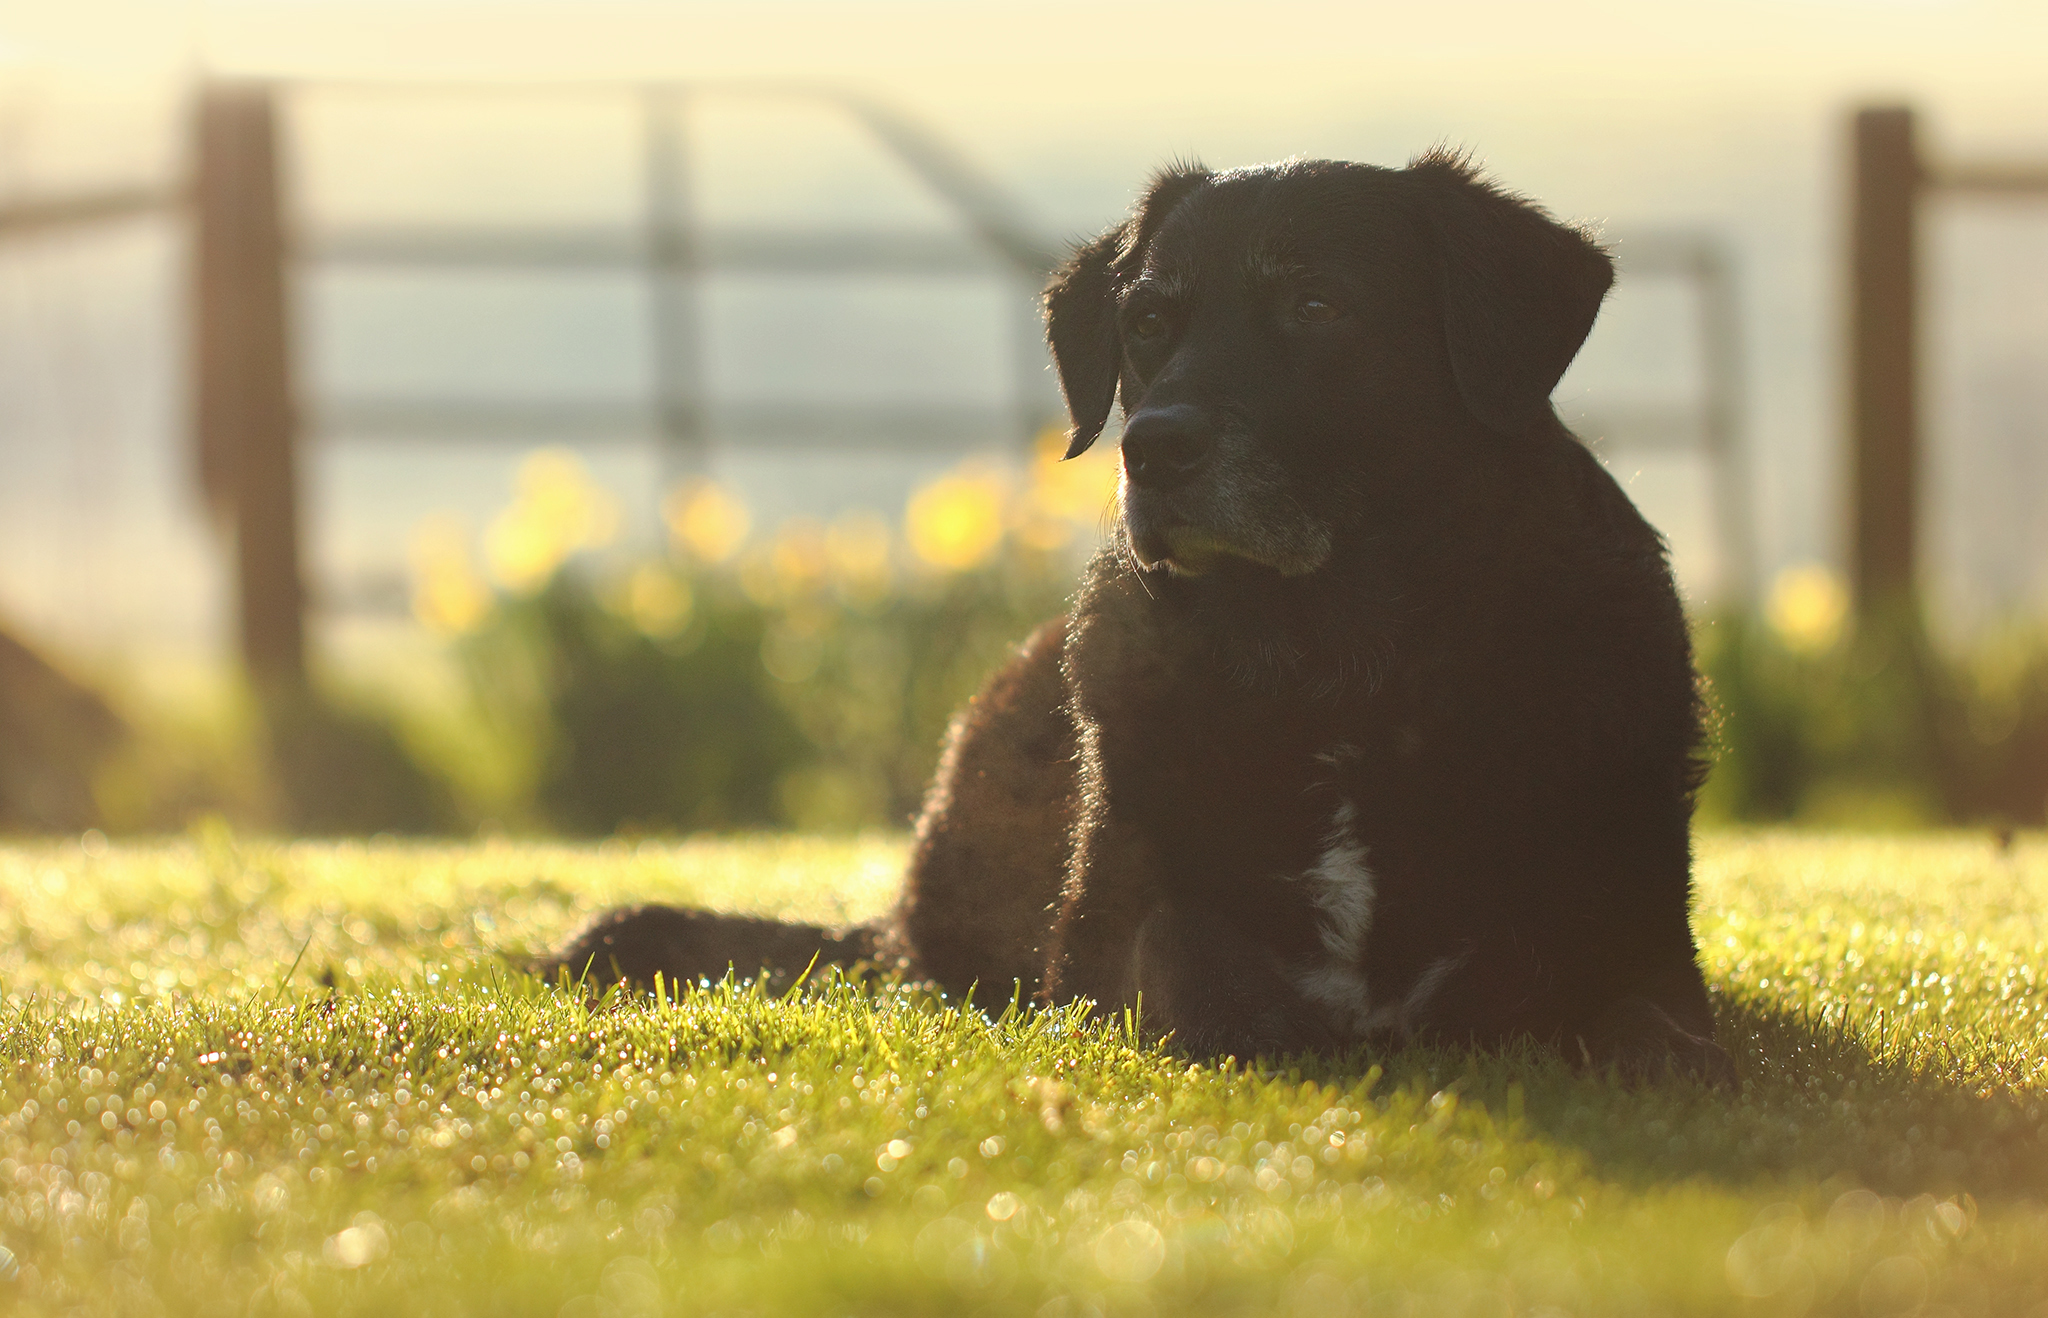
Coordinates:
(1643,1043)
(1198,986)
(1268,1034)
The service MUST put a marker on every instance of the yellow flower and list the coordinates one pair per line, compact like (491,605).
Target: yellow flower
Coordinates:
(1064,496)
(799,556)
(1075,488)
(857,550)
(448,597)
(956,522)
(706,520)
(557,511)
(658,601)
(1807,607)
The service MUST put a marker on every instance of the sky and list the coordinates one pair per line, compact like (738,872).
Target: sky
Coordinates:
(1131,54)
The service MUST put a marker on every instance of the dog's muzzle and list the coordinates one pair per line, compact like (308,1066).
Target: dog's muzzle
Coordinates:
(1159,539)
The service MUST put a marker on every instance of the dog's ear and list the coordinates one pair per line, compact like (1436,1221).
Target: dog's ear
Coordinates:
(1080,306)
(1520,290)
(1080,324)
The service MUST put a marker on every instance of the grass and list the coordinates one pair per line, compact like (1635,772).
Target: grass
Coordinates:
(283,1079)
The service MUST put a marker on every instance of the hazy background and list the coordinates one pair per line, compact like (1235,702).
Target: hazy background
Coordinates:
(1726,119)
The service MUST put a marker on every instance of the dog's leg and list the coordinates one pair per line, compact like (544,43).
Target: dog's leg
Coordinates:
(1216,996)
(1501,987)
(1140,916)
(1112,888)
(1124,943)
(1666,1025)
(1643,1042)
(984,880)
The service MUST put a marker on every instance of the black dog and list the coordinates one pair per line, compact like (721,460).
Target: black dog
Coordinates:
(1378,720)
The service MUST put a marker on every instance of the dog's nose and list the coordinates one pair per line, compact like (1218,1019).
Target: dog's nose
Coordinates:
(1163,446)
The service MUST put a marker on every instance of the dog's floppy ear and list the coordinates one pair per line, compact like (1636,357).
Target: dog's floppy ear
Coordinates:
(1080,324)
(1080,306)
(1520,290)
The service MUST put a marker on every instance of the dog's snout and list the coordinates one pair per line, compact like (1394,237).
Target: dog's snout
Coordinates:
(1164,446)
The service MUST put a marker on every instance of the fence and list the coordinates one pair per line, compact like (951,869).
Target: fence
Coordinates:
(1893,175)
(253,418)
(1716,430)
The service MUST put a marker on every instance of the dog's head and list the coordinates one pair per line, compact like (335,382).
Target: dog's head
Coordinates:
(1297,345)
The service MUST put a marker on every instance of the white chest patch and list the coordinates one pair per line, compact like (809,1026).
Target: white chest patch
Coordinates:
(1340,885)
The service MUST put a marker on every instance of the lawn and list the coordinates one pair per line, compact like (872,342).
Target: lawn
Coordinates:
(299,1078)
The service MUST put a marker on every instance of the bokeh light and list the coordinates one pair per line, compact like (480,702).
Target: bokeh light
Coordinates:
(558,511)
(1808,607)
(956,523)
(706,520)
(449,595)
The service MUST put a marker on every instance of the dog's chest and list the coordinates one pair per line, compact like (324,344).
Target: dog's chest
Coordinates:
(1274,812)
(1341,889)
(1343,892)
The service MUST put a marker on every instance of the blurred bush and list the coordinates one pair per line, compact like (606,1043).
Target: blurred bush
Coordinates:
(56,737)
(339,767)
(803,678)
(663,731)
(1822,722)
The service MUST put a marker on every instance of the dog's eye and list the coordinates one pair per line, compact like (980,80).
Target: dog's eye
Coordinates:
(1148,325)
(1315,311)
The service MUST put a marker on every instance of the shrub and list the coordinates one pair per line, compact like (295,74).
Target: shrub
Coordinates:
(806,678)
(803,679)
(339,768)
(628,730)
(1875,725)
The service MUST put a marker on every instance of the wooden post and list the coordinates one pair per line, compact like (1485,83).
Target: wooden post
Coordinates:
(242,375)
(675,274)
(1884,393)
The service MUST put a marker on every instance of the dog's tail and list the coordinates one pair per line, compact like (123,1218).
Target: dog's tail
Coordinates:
(635,943)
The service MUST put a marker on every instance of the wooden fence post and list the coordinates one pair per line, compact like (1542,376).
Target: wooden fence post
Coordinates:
(242,385)
(1884,392)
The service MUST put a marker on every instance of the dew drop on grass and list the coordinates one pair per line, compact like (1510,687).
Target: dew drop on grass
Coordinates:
(356,1246)
(1130,1252)
(1856,1219)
